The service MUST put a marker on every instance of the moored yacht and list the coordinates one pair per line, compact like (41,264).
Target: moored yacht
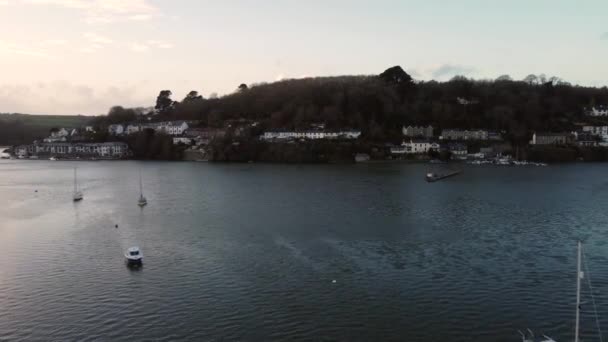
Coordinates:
(142,200)
(77,196)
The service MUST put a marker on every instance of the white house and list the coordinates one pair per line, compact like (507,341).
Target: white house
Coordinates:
(175,127)
(598,111)
(132,128)
(415,147)
(183,140)
(60,133)
(600,131)
(116,129)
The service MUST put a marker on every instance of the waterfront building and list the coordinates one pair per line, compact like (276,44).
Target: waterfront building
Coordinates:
(417,131)
(415,147)
(102,150)
(551,139)
(458,134)
(458,149)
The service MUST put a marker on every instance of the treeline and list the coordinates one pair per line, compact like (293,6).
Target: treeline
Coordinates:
(379,105)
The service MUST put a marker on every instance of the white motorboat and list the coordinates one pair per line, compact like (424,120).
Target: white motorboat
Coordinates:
(134,256)
(77,196)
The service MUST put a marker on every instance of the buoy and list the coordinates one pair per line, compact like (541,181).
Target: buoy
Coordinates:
(334,281)
(115,226)
(35,190)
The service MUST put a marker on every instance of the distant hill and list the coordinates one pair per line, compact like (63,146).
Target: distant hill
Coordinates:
(23,128)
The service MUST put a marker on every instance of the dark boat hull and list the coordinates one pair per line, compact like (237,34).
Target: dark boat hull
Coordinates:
(435,178)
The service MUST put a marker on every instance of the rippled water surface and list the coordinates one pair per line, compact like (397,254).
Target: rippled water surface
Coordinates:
(251,252)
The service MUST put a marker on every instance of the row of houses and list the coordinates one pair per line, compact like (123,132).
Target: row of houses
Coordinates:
(101,150)
(413,146)
(169,127)
(583,138)
(450,134)
(310,134)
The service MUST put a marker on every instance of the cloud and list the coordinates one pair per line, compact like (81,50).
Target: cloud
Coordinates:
(450,70)
(604,36)
(53,42)
(102,11)
(61,97)
(160,44)
(97,38)
(150,44)
(24,50)
(138,47)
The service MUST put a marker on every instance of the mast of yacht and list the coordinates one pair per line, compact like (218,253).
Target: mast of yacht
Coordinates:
(75,184)
(579,276)
(141,191)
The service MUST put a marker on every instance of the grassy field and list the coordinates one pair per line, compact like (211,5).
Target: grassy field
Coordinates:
(23,128)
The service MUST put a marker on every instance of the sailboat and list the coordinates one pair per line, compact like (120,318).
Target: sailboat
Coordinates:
(142,200)
(529,336)
(77,196)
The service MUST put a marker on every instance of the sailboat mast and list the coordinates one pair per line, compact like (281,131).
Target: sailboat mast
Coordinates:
(578,292)
(75,185)
(141,191)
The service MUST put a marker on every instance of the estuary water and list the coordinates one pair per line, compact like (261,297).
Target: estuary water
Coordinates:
(254,252)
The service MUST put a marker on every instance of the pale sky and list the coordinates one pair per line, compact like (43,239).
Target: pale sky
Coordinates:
(83,56)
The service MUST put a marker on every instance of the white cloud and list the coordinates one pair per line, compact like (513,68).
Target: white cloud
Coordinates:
(160,44)
(103,11)
(62,97)
(54,42)
(451,70)
(138,47)
(150,44)
(97,38)
(24,50)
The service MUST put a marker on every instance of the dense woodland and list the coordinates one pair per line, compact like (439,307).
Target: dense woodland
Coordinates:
(380,105)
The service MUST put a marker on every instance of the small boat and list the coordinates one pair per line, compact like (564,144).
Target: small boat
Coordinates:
(77,196)
(142,200)
(52,159)
(433,177)
(134,256)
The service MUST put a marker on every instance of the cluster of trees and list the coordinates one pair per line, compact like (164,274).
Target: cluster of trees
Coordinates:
(149,144)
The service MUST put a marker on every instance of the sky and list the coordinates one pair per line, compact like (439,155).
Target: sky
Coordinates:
(84,56)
